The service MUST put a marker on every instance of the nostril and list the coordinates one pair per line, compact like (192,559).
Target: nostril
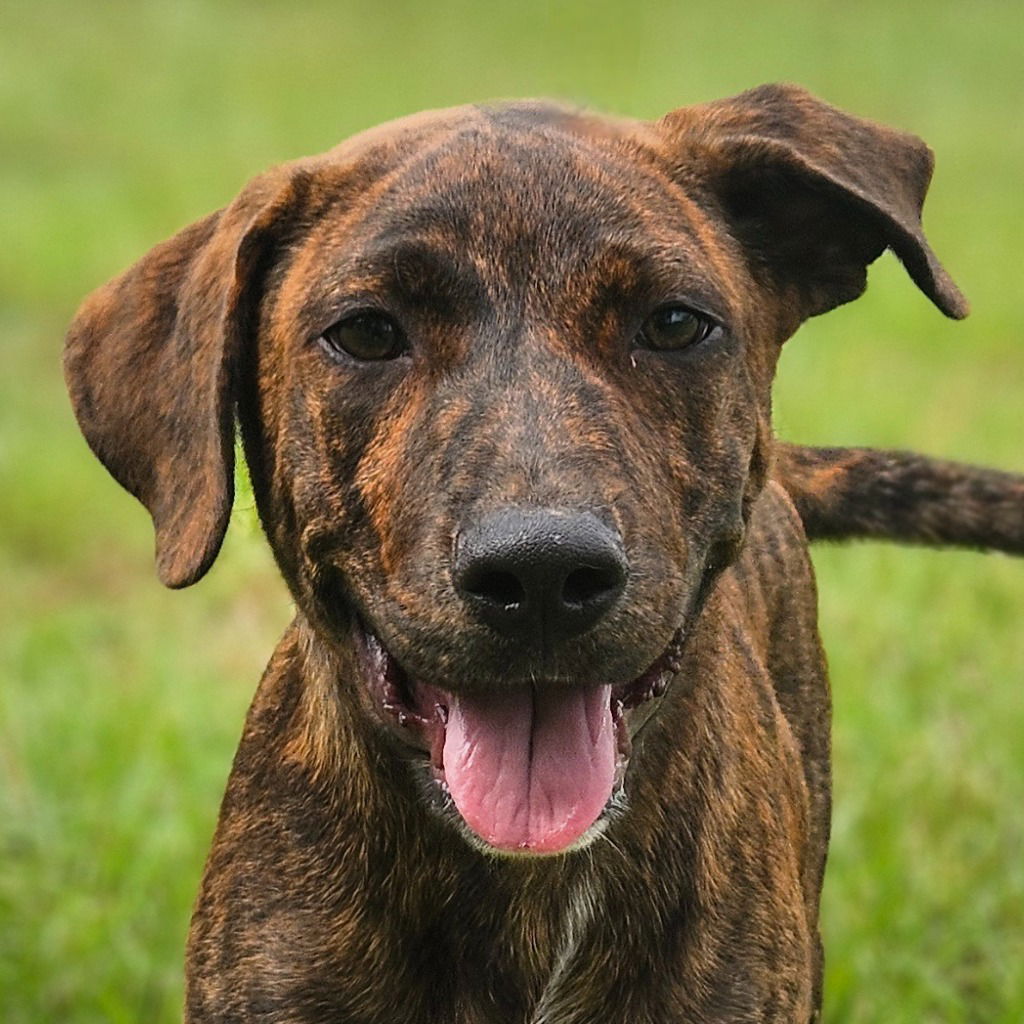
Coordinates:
(587,585)
(495,586)
(539,575)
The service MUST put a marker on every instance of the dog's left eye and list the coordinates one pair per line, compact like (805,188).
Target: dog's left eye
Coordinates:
(674,327)
(365,336)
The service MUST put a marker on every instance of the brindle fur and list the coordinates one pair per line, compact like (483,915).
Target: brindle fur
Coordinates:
(842,493)
(521,246)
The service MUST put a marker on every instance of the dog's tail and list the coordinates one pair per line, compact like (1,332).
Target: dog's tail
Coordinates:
(851,493)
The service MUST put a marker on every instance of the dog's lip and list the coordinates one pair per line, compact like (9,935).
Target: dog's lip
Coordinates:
(533,773)
(416,712)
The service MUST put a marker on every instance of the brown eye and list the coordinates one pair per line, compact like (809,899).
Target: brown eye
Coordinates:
(674,327)
(365,336)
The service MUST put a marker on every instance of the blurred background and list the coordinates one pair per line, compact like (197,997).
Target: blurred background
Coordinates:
(121,703)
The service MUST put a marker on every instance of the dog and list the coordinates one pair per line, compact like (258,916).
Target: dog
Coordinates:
(548,739)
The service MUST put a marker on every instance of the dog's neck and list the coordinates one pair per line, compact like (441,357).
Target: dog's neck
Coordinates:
(552,918)
(548,917)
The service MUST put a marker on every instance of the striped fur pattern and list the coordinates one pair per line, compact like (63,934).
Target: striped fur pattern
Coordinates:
(862,493)
(531,315)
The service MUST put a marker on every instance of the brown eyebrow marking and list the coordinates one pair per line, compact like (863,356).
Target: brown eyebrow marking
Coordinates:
(415,275)
(410,281)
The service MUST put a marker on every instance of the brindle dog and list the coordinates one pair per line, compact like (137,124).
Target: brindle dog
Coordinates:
(548,740)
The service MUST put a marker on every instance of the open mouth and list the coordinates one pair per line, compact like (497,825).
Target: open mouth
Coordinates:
(530,769)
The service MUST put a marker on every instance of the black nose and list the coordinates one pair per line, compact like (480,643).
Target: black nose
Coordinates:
(540,575)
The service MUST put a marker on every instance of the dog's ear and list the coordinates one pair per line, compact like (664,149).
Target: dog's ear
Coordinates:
(151,362)
(813,194)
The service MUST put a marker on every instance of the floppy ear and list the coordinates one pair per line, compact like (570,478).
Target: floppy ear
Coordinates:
(814,194)
(151,363)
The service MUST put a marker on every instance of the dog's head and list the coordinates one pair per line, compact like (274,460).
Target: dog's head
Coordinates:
(503,379)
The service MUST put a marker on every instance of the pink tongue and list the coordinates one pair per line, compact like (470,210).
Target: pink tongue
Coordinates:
(531,771)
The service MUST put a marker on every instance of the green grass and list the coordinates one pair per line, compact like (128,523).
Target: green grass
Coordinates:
(120,703)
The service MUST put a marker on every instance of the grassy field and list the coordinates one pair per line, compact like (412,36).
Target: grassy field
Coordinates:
(121,703)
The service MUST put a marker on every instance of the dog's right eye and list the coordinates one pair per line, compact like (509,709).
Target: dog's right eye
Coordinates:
(365,336)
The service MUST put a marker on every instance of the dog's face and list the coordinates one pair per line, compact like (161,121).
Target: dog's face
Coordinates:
(503,377)
(477,370)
